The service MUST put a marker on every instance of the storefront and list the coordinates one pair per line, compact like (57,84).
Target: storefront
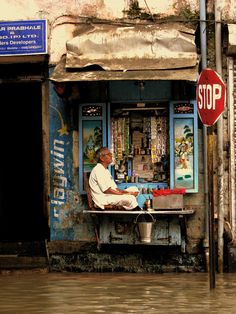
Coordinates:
(131,89)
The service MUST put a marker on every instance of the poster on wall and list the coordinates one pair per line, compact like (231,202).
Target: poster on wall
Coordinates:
(92,136)
(184,145)
(183,154)
(92,140)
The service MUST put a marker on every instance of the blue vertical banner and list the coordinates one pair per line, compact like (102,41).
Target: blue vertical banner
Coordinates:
(60,167)
(23,37)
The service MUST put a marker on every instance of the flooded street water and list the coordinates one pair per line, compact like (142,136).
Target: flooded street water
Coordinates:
(64,293)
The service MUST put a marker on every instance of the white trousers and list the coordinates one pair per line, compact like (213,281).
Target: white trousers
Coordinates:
(125,200)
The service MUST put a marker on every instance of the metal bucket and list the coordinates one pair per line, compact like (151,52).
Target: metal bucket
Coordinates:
(145,228)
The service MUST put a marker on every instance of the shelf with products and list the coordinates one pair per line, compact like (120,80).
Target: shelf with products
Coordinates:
(140,143)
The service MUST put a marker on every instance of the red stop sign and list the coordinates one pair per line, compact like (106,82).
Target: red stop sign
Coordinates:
(210,96)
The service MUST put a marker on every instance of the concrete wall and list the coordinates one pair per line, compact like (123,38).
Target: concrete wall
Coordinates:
(104,9)
(62,16)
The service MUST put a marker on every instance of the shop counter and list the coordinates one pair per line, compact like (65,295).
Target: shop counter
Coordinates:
(137,212)
(121,227)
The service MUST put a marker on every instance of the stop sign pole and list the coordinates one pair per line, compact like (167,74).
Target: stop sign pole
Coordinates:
(210,102)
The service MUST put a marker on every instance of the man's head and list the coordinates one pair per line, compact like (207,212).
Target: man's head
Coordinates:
(104,156)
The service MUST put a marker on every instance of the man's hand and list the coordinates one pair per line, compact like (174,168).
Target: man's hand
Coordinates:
(133,193)
(121,192)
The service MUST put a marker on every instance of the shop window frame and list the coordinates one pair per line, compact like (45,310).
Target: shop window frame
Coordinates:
(86,122)
(178,117)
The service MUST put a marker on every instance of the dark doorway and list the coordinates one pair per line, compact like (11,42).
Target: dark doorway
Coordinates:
(21,189)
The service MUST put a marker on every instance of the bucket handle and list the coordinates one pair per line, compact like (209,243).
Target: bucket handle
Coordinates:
(136,220)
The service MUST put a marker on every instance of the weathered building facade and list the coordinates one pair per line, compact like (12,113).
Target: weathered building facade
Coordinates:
(122,75)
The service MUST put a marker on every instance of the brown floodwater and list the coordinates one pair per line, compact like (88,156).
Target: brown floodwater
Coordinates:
(65,293)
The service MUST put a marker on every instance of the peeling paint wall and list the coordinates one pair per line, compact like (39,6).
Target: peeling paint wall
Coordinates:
(103,9)
(64,15)
(66,204)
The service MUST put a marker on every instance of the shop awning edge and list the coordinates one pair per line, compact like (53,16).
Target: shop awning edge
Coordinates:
(62,74)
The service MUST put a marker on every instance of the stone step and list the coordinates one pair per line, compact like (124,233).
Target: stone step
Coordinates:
(231,250)
(22,262)
(24,248)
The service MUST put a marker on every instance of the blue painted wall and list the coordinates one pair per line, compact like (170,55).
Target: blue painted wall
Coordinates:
(66,205)
(60,166)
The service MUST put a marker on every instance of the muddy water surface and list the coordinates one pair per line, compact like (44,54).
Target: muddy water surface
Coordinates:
(64,293)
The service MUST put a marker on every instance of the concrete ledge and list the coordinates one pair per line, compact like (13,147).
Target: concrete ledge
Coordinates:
(24,262)
(231,258)
(153,212)
(68,247)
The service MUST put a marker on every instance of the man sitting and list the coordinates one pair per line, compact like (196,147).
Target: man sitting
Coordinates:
(104,189)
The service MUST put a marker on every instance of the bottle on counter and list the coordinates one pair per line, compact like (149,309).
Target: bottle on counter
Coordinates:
(142,151)
(148,204)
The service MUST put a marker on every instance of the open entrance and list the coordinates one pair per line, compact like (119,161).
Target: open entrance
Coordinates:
(21,186)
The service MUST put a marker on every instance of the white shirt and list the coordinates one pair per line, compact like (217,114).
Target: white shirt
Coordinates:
(100,180)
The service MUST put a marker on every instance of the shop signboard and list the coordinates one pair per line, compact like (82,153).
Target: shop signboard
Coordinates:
(210,96)
(23,37)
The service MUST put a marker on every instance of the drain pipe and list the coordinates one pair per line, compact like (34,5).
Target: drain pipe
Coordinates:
(220,164)
(203,40)
(230,101)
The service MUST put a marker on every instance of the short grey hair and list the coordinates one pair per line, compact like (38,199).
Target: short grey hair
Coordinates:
(100,152)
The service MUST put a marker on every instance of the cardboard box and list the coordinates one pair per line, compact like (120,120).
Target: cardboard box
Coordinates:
(172,201)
